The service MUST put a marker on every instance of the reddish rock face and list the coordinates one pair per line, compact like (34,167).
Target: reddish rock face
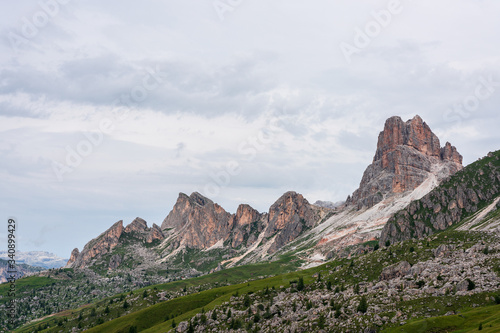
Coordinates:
(290,215)
(406,155)
(97,247)
(450,153)
(154,233)
(72,258)
(245,215)
(201,221)
(242,223)
(138,225)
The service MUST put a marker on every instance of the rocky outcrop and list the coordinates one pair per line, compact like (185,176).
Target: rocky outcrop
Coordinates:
(397,270)
(97,247)
(199,222)
(248,223)
(115,261)
(74,254)
(406,155)
(138,225)
(139,229)
(154,234)
(288,217)
(460,196)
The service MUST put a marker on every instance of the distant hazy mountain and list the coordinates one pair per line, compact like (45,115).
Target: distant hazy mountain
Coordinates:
(37,258)
(329,204)
(21,270)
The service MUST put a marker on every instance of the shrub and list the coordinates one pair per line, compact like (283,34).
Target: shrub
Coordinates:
(363,305)
(471,284)
(321,321)
(300,284)
(246,301)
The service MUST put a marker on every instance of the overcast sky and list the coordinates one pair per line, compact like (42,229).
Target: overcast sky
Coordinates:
(109,109)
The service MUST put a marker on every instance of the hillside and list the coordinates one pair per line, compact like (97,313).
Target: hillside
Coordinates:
(470,197)
(448,274)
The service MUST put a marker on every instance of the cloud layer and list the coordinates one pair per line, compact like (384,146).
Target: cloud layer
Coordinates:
(240,102)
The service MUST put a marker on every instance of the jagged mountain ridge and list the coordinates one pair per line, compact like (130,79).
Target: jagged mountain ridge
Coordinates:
(108,240)
(408,163)
(197,223)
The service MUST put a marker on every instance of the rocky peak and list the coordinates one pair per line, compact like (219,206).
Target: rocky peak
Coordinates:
(407,153)
(137,225)
(96,247)
(450,153)
(291,214)
(414,133)
(72,258)
(203,222)
(200,199)
(245,215)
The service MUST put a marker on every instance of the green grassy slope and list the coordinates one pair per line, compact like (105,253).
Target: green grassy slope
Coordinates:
(469,321)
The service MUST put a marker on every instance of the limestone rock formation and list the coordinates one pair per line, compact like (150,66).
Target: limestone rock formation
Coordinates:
(154,233)
(139,228)
(199,221)
(289,216)
(407,152)
(138,225)
(96,247)
(72,258)
(247,224)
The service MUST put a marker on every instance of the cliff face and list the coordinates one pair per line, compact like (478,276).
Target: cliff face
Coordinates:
(406,154)
(111,238)
(248,223)
(139,229)
(457,198)
(200,223)
(96,247)
(289,216)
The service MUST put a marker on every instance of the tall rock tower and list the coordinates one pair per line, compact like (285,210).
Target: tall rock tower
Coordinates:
(407,152)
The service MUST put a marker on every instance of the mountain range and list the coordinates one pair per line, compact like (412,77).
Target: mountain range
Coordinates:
(414,249)
(199,236)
